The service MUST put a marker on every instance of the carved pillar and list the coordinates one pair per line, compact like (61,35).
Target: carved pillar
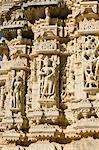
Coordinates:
(35,64)
(2,97)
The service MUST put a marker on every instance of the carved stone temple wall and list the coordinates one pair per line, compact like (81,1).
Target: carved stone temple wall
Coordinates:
(49,75)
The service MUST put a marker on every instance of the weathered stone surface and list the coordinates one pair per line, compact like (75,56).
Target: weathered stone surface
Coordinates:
(82,144)
(49,74)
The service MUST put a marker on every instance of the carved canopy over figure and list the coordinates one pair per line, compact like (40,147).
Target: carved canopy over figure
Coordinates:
(48,75)
(17,92)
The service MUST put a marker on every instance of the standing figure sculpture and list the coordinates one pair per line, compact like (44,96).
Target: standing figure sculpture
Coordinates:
(17,92)
(47,14)
(48,76)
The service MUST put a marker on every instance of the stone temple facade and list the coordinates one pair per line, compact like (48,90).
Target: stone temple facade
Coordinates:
(49,75)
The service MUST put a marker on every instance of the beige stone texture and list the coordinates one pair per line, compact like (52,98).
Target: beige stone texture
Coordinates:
(49,75)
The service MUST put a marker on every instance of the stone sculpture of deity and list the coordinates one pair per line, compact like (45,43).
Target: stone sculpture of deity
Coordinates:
(48,75)
(17,92)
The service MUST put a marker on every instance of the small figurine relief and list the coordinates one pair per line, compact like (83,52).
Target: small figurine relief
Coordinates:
(47,13)
(19,34)
(89,58)
(17,86)
(71,26)
(47,74)
(69,84)
(29,95)
(91,67)
(16,41)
